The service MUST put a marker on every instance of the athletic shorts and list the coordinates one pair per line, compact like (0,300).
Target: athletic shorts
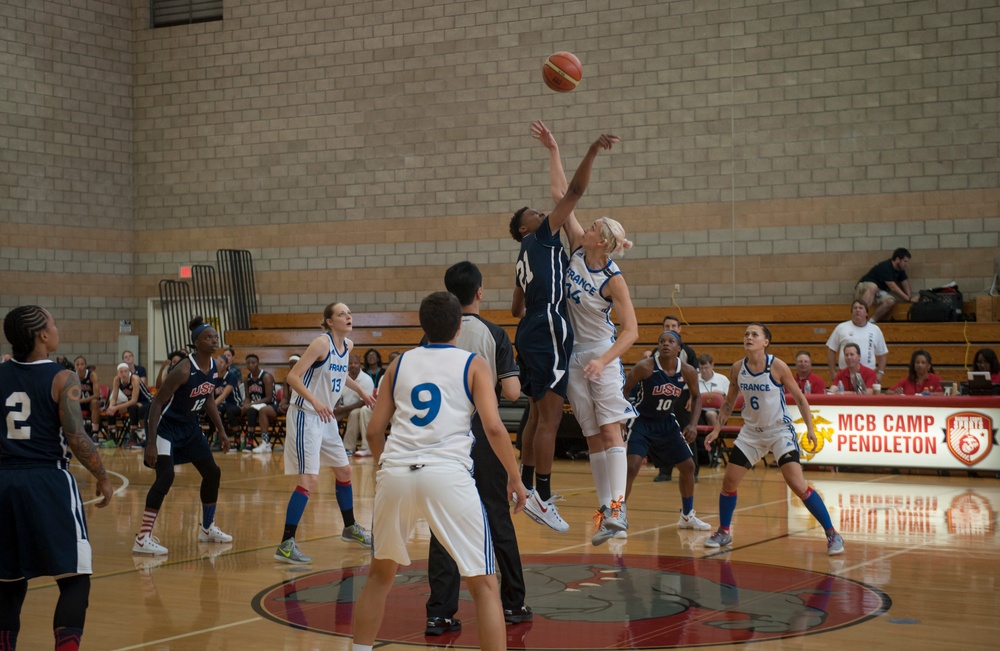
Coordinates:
(185,442)
(44,531)
(310,443)
(778,439)
(443,494)
(660,439)
(599,401)
(543,341)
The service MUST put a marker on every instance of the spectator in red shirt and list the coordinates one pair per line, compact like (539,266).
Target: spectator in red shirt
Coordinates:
(855,378)
(804,374)
(986,360)
(921,377)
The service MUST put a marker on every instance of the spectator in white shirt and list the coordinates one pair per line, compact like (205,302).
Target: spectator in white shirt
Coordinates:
(350,407)
(711,382)
(860,331)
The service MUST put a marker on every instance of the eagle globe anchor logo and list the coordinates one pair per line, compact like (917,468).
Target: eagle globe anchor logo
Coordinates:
(970,436)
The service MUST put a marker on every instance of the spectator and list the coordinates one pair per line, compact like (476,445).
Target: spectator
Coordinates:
(285,393)
(808,381)
(351,406)
(986,360)
(711,382)
(867,336)
(234,371)
(6,358)
(855,377)
(128,397)
(90,395)
(62,361)
(129,358)
(921,377)
(225,396)
(171,361)
(886,283)
(259,405)
(373,365)
(393,355)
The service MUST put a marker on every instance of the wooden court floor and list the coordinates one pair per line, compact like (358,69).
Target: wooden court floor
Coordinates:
(920,571)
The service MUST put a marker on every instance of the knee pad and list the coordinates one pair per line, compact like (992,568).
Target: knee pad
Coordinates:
(161,485)
(789,457)
(737,457)
(74,597)
(211,476)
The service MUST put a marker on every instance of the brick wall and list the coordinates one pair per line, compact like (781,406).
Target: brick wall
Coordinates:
(772,152)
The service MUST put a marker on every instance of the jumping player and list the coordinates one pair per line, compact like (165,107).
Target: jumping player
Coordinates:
(595,285)
(544,337)
(313,439)
(175,437)
(661,380)
(44,531)
(767,427)
(430,396)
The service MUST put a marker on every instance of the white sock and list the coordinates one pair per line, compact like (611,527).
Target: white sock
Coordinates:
(599,469)
(360,647)
(617,471)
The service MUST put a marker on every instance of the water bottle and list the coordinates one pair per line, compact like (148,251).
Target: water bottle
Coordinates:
(808,387)
(840,386)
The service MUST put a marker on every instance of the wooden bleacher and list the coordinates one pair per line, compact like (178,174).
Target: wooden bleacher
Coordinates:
(714,330)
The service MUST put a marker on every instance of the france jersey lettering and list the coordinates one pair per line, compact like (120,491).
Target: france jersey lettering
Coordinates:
(657,394)
(30,429)
(189,398)
(325,378)
(541,269)
(433,418)
(764,397)
(589,310)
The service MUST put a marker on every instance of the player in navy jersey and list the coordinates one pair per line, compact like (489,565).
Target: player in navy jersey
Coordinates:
(259,404)
(175,437)
(429,395)
(767,427)
(544,337)
(43,530)
(90,393)
(129,398)
(661,381)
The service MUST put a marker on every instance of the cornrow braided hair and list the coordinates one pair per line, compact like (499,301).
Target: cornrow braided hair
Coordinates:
(21,325)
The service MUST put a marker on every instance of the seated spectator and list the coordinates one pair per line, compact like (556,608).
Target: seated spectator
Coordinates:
(921,377)
(285,393)
(129,397)
(865,335)
(855,378)
(168,364)
(349,410)
(61,361)
(6,358)
(886,283)
(90,395)
(373,365)
(711,382)
(225,397)
(129,358)
(259,405)
(986,360)
(808,381)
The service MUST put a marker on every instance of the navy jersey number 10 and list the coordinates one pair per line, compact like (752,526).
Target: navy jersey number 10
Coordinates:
(425,396)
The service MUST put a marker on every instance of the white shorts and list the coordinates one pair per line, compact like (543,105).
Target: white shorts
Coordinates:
(778,439)
(443,494)
(310,443)
(599,401)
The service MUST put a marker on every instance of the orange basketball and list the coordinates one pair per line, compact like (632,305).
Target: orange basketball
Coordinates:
(562,72)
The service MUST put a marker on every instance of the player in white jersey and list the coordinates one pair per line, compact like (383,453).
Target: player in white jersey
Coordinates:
(313,438)
(595,285)
(767,427)
(431,395)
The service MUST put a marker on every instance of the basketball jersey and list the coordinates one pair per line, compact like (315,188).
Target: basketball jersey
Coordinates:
(541,269)
(125,388)
(589,310)
(433,418)
(657,394)
(30,429)
(255,387)
(189,398)
(763,396)
(325,378)
(86,385)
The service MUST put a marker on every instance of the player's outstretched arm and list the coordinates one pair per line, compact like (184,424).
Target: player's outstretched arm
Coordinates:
(67,389)
(578,185)
(627,335)
(485,399)
(727,407)
(639,372)
(694,391)
(557,180)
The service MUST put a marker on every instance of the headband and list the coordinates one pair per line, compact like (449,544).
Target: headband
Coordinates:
(197,331)
(122,365)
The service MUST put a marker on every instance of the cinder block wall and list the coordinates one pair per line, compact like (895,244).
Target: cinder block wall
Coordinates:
(773,151)
(67,234)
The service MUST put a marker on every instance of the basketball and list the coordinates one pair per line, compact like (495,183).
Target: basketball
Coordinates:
(562,72)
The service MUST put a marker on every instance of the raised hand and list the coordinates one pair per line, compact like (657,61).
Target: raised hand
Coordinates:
(541,132)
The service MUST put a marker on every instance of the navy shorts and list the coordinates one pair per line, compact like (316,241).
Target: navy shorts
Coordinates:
(185,442)
(660,439)
(44,532)
(544,341)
